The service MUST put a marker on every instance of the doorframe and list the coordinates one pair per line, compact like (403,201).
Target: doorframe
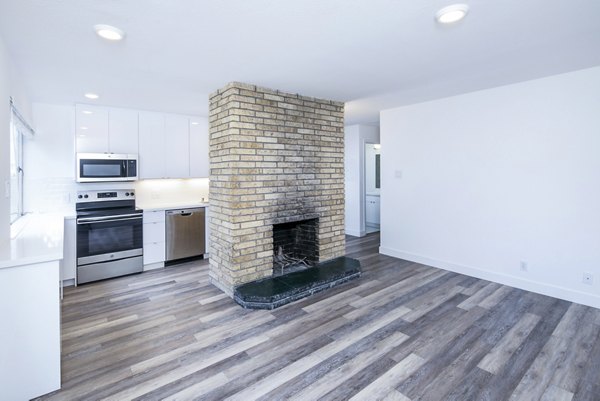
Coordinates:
(363,186)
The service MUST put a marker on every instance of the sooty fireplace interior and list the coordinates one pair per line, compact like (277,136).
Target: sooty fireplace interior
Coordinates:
(295,246)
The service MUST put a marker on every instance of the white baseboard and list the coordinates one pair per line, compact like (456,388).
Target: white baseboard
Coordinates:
(506,279)
(154,266)
(68,283)
(355,233)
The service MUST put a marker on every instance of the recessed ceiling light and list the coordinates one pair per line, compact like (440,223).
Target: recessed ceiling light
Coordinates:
(87,112)
(83,128)
(195,123)
(109,32)
(452,14)
(92,96)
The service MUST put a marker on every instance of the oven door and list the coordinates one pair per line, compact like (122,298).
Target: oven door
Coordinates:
(108,238)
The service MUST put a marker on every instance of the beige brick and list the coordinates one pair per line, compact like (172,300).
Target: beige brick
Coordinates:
(272,155)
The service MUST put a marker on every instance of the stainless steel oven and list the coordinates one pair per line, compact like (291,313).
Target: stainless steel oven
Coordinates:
(106,167)
(109,235)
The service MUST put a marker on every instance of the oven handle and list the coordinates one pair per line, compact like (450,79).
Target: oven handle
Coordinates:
(108,219)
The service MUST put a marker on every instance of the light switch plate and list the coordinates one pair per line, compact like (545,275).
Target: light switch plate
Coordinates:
(398,174)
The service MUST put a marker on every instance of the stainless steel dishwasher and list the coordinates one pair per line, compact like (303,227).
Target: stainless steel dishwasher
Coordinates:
(185,233)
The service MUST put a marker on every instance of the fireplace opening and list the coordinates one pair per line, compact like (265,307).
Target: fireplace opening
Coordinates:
(295,246)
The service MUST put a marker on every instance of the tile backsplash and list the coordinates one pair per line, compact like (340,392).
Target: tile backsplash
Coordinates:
(174,191)
(57,195)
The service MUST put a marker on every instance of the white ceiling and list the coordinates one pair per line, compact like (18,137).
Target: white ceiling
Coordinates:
(374,54)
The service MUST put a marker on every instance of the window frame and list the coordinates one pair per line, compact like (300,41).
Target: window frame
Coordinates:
(16,152)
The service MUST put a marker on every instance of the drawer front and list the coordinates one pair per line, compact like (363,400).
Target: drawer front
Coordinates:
(154,252)
(154,232)
(152,217)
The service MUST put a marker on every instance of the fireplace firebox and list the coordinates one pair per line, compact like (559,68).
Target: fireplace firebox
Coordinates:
(295,246)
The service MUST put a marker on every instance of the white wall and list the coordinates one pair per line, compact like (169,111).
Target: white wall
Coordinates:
(496,177)
(49,160)
(11,84)
(355,137)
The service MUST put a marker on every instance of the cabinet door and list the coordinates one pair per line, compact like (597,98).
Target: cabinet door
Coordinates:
(372,210)
(92,129)
(151,145)
(154,252)
(123,131)
(177,138)
(377,207)
(154,232)
(199,147)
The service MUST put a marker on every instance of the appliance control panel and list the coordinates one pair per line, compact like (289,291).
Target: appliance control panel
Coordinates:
(105,195)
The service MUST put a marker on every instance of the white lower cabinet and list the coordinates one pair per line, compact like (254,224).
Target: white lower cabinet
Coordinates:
(154,238)
(154,252)
(30,333)
(372,215)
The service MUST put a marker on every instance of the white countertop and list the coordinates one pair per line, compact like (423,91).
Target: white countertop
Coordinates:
(35,238)
(153,207)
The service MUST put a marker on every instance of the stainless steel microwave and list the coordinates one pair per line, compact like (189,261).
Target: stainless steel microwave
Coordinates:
(106,167)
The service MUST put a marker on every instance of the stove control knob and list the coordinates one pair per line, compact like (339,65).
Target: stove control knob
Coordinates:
(85,196)
(79,196)
(132,194)
(126,193)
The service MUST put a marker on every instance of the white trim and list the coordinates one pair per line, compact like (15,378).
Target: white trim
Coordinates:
(506,279)
(154,266)
(69,282)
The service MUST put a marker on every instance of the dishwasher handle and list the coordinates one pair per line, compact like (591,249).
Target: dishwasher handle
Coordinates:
(184,213)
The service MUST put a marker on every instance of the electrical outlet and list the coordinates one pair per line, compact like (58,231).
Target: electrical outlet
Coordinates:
(523,266)
(588,278)
(398,173)
(154,195)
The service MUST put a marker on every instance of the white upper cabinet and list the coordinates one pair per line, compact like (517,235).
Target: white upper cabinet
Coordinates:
(167,145)
(92,129)
(152,154)
(199,147)
(104,130)
(123,131)
(177,144)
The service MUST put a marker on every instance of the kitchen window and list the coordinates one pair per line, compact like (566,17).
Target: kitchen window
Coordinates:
(18,129)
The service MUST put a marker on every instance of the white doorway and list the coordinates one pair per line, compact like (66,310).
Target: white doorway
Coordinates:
(372,186)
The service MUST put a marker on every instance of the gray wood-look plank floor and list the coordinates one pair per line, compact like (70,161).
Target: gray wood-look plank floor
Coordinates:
(403,331)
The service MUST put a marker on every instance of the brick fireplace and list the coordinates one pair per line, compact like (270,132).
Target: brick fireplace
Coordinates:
(276,159)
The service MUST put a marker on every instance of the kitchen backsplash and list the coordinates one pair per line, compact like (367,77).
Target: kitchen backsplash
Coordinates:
(49,195)
(152,192)
(57,195)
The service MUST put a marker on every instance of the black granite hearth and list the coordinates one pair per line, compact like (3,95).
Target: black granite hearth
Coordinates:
(273,292)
